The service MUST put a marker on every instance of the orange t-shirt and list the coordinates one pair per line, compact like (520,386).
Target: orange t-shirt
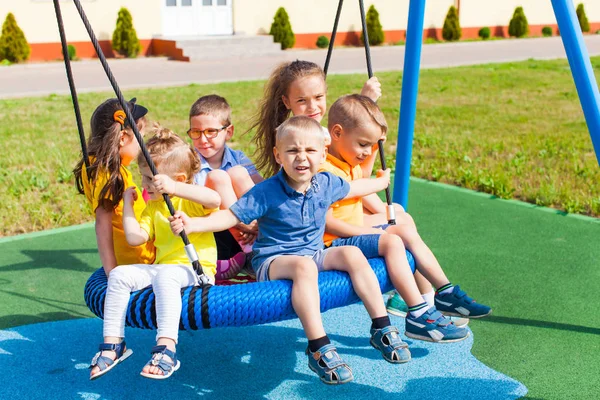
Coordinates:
(347,210)
(125,254)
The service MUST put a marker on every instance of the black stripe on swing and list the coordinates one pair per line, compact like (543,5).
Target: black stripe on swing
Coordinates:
(134,319)
(143,309)
(191,309)
(204,307)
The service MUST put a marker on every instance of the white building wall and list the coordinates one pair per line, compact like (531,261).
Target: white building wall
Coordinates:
(37,18)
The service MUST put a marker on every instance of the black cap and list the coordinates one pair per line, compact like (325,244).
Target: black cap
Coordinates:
(137,110)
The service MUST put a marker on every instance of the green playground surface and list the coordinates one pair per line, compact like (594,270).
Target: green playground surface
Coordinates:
(537,268)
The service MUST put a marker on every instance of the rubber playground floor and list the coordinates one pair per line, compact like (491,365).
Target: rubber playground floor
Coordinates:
(539,270)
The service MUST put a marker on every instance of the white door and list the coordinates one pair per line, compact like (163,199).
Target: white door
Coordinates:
(196,17)
(215,17)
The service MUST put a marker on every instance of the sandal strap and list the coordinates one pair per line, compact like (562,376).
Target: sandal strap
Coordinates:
(393,336)
(158,360)
(118,348)
(329,356)
(100,361)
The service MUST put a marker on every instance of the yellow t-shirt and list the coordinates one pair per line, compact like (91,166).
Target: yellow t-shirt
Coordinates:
(125,254)
(347,210)
(170,248)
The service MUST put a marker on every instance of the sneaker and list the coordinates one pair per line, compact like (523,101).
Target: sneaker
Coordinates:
(432,326)
(459,321)
(396,306)
(328,364)
(458,304)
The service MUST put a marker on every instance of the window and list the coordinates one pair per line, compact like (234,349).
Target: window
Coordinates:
(207,2)
(221,2)
(186,3)
(171,3)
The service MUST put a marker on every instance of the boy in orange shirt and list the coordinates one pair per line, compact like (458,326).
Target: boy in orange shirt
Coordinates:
(355,125)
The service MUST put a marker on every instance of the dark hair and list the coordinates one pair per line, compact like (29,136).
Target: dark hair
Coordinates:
(273,112)
(103,147)
(213,105)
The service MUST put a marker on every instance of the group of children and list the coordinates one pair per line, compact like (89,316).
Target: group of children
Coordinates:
(317,210)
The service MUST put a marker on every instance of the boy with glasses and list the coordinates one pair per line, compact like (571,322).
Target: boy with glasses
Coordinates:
(225,170)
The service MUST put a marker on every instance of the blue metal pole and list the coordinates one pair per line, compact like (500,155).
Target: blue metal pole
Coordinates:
(408,101)
(581,67)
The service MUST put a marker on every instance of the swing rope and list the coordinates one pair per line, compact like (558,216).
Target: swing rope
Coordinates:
(189,248)
(391,212)
(65,51)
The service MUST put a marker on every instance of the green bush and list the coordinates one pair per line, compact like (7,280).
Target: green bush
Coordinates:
(518,26)
(124,39)
(583,21)
(13,45)
(451,30)
(374,28)
(72,51)
(484,33)
(322,42)
(281,29)
(547,31)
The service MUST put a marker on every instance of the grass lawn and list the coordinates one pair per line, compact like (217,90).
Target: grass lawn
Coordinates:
(513,130)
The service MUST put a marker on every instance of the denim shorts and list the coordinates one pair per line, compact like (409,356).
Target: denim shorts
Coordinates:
(368,244)
(262,273)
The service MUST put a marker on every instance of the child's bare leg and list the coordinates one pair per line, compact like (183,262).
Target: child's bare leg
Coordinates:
(351,260)
(303,273)
(422,283)
(219,181)
(240,179)
(427,264)
(392,249)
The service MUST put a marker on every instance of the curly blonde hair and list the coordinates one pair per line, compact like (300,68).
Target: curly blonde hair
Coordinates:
(171,153)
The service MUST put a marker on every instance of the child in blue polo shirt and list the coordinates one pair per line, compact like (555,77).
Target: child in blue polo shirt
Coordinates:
(290,209)
(227,171)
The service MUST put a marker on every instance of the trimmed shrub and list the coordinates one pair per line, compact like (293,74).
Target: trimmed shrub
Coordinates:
(72,52)
(322,42)
(13,45)
(546,31)
(281,29)
(484,33)
(374,28)
(124,39)
(518,26)
(583,21)
(451,30)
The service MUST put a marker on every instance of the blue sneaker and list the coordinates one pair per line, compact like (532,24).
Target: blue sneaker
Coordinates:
(458,304)
(432,326)
(387,341)
(328,364)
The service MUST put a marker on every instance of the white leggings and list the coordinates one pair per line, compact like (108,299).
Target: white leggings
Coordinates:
(166,280)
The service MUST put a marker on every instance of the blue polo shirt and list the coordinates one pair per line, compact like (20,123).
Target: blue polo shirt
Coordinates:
(289,222)
(231,158)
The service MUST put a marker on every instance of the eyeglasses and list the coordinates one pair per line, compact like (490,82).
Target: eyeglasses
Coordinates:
(209,133)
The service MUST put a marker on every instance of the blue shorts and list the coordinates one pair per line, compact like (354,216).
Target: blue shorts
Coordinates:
(262,273)
(368,244)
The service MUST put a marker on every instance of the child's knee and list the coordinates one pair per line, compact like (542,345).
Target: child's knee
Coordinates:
(120,276)
(305,269)
(390,243)
(238,173)
(217,177)
(398,208)
(352,256)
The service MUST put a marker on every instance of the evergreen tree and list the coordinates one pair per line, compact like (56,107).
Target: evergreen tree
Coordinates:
(124,39)
(451,30)
(13,45)
(374,28)
(281,29)
(518,26)
(583,21)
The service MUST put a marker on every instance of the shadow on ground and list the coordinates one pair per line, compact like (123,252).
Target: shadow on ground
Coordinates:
(251,363)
